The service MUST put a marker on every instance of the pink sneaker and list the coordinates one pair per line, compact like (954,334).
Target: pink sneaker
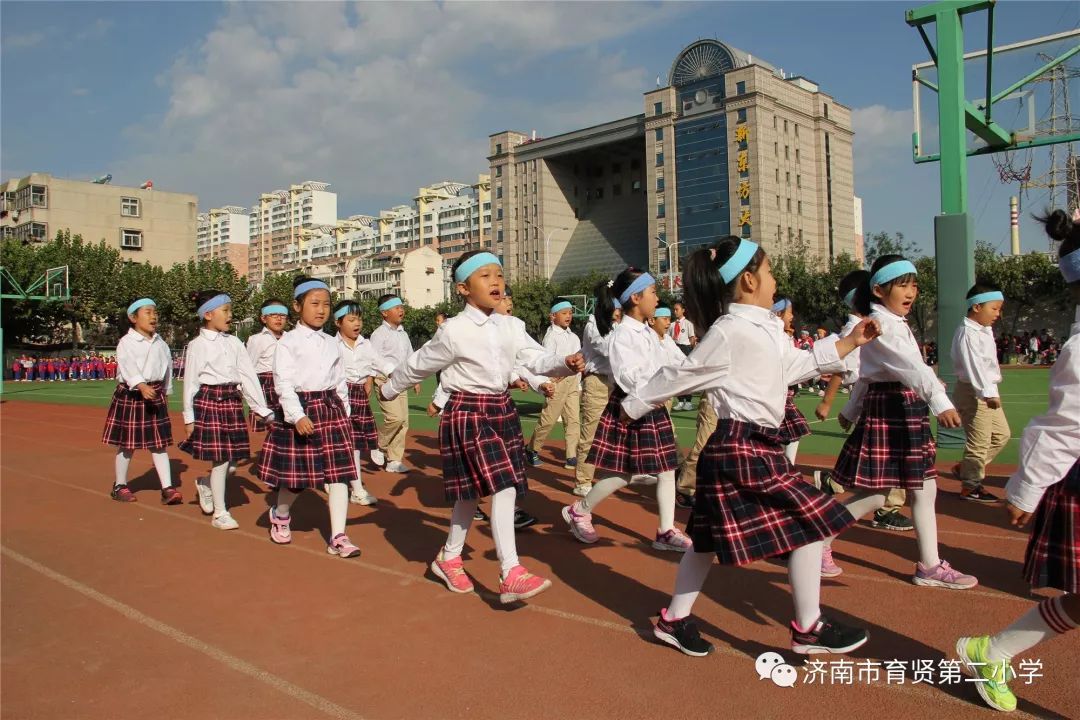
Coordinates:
(674,539)
(580,523)
(341,546)
(943,576)
(279,528)
(452,573)
(829,568)
(520,584)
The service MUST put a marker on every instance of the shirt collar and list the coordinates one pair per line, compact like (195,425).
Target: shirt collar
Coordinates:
(478,316)
(140,337)
(304,330)
(755,314)
(978,327)
(888,314)
(557,328)
(360,340)
(635,324)
(210,335)
(392,328)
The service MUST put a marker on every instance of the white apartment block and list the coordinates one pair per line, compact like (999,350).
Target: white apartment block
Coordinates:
(278,222)
(224,233)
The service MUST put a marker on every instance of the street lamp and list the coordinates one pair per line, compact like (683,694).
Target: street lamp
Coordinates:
(664,243)
(547,248)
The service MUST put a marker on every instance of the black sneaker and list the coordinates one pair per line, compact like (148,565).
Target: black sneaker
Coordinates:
(682,635)
(979,495)
(523,519)
(827,636)
(683,500)
(534,458)
(479,515)
(891,520)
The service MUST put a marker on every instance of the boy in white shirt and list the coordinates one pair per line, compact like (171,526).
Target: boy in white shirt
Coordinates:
(566,401)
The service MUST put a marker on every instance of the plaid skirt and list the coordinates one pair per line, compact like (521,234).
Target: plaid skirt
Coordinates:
(750,503)
(220,433)
(137,424)
(481,446)
(1053,552)
(794,426)
(266,381)
(297,461)
(644,447)
(364,433)
(891,445)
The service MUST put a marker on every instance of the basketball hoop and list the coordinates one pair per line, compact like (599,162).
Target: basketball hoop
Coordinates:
(1011,169)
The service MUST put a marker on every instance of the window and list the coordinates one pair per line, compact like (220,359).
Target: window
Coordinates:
(129,207)
(773,122)
(427,217)
(776,149)
(616,189)
(777,176)
(534,187)
(826,111)
(498,213)
(498,148)
(658,134)
(658,109)
(635,186)
(131,239)
(498,171)
(534,211)
(38,196)
(787,177)
(796,156)
(660,210)
(785,126)
(800,234)
(777,202)
(789,204)
(659,184)
(599,193)
(800,207)
(659,159)
(741,115)
(498,192)
(796,129)
(740,88)
(798,181)
(787,152)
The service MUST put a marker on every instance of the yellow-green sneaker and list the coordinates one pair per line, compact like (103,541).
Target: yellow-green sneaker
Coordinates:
(992,678)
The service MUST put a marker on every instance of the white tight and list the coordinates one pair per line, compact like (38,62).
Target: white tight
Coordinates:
(665,496)
(337,498)
(502,528)
(358,483)
(923,514)
(161,464)
(218,475)
(791,451)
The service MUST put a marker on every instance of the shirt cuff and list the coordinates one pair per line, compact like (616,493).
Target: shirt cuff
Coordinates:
(135,381)
(1022,494)
(990,391)
(189,417)
(387,391)
(635,407)
(827,358)
(939,403)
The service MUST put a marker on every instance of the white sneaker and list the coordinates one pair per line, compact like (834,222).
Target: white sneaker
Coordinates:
(395,466)
(206,496)
(643,480)
(377,457)
(225,522)
(364,498)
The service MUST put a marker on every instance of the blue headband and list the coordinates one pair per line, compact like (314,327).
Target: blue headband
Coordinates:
(849,299)
(140,303)
(1070,266)
(563,305)
(640,283)
(343,311)
(309,286)
(662,312)
(391,303)
(738,262)
(213,304)
(985,298)
(274,310)
(473,264)
(892,271)
(616,303)
(781,305)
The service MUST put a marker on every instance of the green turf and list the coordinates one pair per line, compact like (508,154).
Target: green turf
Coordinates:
(1024,393)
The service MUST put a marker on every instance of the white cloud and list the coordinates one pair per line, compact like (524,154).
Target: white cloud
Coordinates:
(23,40)
(882,136)
(95,30)
(80,92)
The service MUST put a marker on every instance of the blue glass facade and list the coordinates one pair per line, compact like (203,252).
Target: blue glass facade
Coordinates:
(701,169)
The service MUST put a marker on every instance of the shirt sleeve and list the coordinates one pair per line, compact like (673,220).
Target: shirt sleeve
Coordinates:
(285,371)
(249,381)
(193,362)
(384,363)
(167,359)
(802,365)
(441,397)
(706,368)
(129,364)
(976,368)
(627,366)
(900,362)
(533,357)
(432,357)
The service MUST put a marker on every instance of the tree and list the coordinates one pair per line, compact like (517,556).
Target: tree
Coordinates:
(1029,282)
(882,243)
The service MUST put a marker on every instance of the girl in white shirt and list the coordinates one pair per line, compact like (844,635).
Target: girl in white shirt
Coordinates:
(750,503)
(313,445)
(216,369)
(794,428)
(139,412)
(261,346)
(646,446)
(891,445)
(359,359)
(1045,488)
(479,431)
(597,383)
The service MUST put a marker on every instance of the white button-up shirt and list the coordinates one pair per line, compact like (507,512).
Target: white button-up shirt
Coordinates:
(307,360)
(671,350)
(477,353)
(745,363)
(261,347)
(359,359)
(895,357)
(1050,445)
(636,354)
(215,358)
(596,348)
(974,356)
(391,346)
(141,359)
(562,342)
(685,330)
(851,360)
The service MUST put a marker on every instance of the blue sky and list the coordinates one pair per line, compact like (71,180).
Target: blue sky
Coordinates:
(229,100)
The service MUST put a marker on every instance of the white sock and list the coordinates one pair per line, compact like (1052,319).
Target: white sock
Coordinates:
(1038,624)
(600,490)
(337,498)
(123,459)
(804,574)
(460,520)
(285,499)
(665,500)
(502,528)
(218,474)
(861,504)
(693,569)
(164,470)
(791,451)
(924,516)
(358,483)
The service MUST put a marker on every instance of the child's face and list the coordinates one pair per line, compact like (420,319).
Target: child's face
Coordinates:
(315,308)
(484,288)
(439,320)
(350,326)
(616,316)
(274,323)
(506,307)
(562,318)
(219,319)
(145,320)
(759,288)
(394,315)
(900,297)
(646,301)
(679,311)
(661,325)
(788,316)
(987,313)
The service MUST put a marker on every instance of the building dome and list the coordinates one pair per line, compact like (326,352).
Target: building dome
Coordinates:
(705,59)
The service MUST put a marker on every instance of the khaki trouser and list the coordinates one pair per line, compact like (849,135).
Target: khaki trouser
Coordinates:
(395,424)
(566,402)
(895,499)
(706,426)
(594,397)
(987,433)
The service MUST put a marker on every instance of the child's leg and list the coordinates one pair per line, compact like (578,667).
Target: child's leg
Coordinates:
(600,491)
(665,500)
(1000,434)
(693,569)
(358,483)
(337,498)
(218,474)
(502,528)
(164,469)
(804,574)
(123,459)
(861,504)
(553,408)
(791,451)
(460,520)
(285,499)
(572,420)
(978,426)
(924,516)
(1051,617)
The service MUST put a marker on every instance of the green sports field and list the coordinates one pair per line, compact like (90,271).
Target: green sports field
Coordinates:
(1024,392)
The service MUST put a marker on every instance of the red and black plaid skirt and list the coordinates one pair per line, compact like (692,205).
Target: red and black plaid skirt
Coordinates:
(644,447)
(1053,552)
(364,433)
(794,426)
(137,424)
(297,461)
(481,446)
(220,433)
(891,445)
(266,381)
(751,504)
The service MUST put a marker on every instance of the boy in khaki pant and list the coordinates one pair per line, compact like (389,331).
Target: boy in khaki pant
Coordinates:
(974,355)
(566,401)
(686,483)
(392,348)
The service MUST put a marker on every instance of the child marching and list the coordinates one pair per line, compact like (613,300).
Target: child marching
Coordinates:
(565,403)
(391,345)
(596,384)
(794,428)
(261,347)
(359,360)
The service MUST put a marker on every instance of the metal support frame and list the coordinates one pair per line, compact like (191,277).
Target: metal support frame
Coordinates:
(45,280)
